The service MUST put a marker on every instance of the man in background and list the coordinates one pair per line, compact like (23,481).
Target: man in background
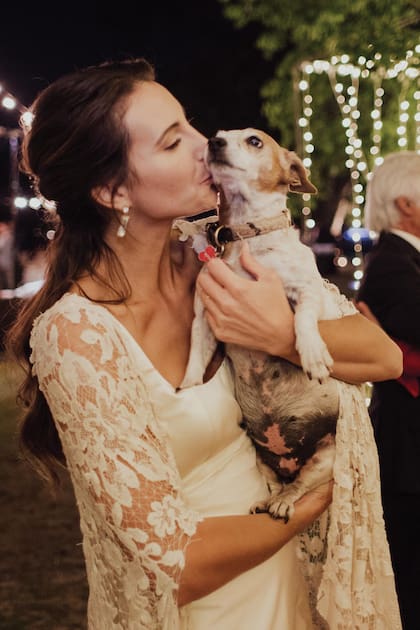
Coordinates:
(391,289)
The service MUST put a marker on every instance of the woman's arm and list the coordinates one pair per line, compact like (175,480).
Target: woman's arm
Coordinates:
(125,471)
(361,351)
(226,546)
(257,315)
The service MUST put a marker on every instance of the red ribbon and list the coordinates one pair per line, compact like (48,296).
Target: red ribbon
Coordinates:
(207,254)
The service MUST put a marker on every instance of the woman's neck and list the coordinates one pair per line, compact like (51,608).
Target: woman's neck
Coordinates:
(154,262)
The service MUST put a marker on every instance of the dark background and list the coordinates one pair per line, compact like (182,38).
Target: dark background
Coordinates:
(212,68)
(215,70)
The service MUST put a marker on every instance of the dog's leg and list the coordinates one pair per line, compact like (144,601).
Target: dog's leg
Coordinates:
(317,470)
(274,484)
(315,359)
(202,348)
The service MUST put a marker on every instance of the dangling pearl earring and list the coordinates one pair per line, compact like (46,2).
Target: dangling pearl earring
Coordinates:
(122,228)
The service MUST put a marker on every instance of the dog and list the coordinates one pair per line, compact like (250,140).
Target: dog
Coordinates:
(290,412)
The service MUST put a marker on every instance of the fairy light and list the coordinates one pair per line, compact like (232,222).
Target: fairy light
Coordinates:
(376,116)
(402,126)
(345,82)
(20,202)
(345,77)
(10,102)
(308,148)
(416,97)
(26,119)
(35,203)
(348,103)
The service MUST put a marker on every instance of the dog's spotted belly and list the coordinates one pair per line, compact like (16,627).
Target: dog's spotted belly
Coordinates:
(287,416)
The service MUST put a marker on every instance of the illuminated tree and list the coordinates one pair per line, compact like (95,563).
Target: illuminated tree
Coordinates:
(370,36)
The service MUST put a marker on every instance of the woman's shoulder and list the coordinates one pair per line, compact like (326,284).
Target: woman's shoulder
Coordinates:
(73,322)
(72,308)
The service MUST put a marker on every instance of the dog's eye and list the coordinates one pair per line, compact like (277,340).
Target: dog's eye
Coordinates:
(254,141)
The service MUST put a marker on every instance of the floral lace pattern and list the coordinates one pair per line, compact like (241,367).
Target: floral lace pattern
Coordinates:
(345,554)
(134,521)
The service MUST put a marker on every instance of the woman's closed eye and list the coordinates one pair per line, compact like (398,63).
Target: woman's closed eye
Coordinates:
(173,146)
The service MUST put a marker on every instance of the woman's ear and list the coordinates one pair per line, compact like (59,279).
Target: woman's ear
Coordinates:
(105,196)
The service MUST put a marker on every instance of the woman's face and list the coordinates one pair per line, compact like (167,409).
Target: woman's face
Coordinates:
(166,155)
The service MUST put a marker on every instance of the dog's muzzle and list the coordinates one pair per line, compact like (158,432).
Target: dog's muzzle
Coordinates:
(216,150)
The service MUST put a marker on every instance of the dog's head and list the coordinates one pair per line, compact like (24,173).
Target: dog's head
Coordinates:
(246,160)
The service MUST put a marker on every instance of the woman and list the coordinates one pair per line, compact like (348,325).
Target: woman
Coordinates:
(163,478)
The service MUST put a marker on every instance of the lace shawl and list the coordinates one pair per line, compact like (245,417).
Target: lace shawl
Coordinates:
(134,521)
(345,554)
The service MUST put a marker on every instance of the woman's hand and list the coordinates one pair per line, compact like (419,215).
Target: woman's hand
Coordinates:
(256,314)
(253,313)
(319,498)
(226,546)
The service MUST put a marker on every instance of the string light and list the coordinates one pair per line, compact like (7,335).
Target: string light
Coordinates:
(304,123)
(345,78)
(416,97)
(10,102)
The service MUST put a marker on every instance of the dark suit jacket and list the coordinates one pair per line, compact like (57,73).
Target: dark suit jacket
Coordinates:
(391,288)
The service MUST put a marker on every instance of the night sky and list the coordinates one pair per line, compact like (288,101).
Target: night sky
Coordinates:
(214,69)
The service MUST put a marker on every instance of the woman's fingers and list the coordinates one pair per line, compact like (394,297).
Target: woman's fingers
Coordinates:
(250,311)
(211,289)
(222,274)
(224,277)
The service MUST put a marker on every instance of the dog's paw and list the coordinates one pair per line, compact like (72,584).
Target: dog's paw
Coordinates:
(315,359)
(259,507)
(281,507)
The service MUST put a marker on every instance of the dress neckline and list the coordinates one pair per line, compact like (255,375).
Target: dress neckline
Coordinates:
(138,347)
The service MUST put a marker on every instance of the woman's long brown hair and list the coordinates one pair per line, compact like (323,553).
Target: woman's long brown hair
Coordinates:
(76,143)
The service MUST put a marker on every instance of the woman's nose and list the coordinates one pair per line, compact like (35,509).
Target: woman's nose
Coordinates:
(201,144)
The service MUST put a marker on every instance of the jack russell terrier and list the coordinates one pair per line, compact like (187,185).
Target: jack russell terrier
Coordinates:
(289,412)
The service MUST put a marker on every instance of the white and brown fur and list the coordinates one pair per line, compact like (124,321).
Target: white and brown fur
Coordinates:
(288,411)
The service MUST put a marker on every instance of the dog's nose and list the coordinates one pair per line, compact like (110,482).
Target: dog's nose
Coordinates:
(217,148)
(216,144)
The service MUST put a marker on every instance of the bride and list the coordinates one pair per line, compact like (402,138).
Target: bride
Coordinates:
(163,477)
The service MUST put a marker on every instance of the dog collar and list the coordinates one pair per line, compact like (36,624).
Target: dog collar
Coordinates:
(219,235)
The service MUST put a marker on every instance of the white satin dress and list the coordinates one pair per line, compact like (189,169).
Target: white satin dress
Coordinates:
(218,468)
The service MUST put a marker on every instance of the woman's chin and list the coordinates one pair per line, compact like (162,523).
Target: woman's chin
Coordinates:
(208,205)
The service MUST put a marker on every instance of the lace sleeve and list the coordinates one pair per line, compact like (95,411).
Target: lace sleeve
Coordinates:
(135,523)
(345,305)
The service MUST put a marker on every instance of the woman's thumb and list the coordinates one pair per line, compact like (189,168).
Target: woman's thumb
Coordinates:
(249,263)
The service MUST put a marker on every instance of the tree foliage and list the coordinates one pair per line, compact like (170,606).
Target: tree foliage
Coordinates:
(298,31)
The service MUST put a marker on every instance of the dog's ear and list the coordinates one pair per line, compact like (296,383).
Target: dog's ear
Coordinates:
(297,176)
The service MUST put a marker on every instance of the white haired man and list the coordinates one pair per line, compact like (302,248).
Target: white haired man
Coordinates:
(391,289)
